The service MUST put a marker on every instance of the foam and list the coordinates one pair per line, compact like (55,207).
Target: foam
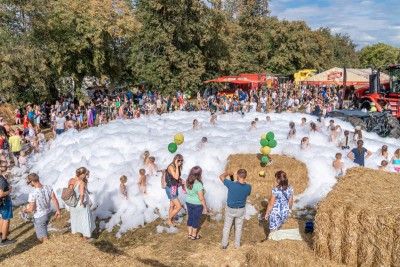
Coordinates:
(113,150)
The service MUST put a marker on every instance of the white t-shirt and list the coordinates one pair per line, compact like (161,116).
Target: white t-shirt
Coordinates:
(41,197)
(60,123)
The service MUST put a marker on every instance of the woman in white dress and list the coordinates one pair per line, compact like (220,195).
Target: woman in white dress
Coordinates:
(82,220)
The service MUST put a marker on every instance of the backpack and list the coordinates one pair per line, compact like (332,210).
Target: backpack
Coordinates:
(69,197)
(5,145)
(163,181)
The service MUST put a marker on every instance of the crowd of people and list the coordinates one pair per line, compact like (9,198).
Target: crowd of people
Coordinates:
(67,114)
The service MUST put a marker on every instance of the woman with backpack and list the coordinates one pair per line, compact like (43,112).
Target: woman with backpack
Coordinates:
(82,220)
(173,181)
(281,202)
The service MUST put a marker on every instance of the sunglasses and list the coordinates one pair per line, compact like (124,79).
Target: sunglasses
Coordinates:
(180,160)
(28,182)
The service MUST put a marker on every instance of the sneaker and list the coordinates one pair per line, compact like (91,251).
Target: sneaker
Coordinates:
(7,242)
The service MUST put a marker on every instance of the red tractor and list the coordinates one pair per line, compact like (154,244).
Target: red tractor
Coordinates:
(385,95)
(380,105)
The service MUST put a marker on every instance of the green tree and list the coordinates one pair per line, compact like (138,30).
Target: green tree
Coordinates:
(379,54)
(167,51)
(250,48)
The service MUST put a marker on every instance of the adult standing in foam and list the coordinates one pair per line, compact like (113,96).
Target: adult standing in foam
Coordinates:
(235,207)
(40,205)
(82,220)
(173,181)
(357,155)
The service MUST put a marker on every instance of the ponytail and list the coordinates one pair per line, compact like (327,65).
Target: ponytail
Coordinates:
(283,181)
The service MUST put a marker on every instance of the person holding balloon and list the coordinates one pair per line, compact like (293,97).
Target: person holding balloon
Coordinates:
(173,181)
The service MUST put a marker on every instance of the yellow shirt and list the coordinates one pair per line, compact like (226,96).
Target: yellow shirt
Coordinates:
(15,143)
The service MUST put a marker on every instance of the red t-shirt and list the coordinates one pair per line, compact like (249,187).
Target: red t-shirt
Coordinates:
(26,121)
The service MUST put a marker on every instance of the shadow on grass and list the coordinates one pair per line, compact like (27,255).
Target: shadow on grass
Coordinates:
(108,247)
(21,247)
(151,262)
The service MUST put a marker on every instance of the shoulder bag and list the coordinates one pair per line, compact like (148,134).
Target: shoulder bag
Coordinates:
(69,196)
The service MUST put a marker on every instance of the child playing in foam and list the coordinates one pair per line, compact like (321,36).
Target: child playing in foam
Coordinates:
(338,165)
(202,143)
(122,186)
(292,131)
(253,126)
(142,181)
(151,166)
(305,143)
(384,164)
(22,160)
(145,157)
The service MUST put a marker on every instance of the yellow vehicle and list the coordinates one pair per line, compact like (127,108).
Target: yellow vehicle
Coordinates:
(301,75)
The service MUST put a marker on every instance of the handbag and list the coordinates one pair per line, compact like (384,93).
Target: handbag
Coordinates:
(69,197)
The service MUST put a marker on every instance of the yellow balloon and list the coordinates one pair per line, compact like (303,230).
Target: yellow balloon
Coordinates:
(264,136)
(189,97)
(265,150)
(178,138)
(261,173)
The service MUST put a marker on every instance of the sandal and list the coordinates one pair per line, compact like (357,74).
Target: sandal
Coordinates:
(196,237)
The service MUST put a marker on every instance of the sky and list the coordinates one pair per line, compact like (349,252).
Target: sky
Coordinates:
(365,21)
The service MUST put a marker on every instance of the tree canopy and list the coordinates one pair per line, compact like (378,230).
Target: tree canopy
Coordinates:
(165,44)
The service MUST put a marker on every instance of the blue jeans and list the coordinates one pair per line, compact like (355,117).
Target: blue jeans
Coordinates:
(194,215)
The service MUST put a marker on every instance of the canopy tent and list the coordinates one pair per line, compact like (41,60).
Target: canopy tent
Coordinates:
(334,76)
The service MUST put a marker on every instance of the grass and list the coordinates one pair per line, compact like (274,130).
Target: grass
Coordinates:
(145,246)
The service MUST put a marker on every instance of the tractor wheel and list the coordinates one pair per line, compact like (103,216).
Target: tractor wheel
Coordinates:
(357,122)
(395,132)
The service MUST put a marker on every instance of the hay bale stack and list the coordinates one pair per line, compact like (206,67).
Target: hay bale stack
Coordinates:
(296,171)
(358,223)
(285,253)
(69,251)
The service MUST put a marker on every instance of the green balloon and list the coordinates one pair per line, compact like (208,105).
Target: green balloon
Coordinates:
(264,159)
(264,142)
(172,147)
(134,106)
(272,143)
(270,136)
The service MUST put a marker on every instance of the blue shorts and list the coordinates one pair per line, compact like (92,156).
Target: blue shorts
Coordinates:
(6,211)
(168,191)
(59,131)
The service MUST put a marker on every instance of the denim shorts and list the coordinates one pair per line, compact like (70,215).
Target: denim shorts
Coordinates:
(6,210)
(59,131)
(168,191)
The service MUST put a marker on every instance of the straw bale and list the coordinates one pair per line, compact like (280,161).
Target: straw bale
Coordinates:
(358,222)
(296,171)
(285,253)
(68,250)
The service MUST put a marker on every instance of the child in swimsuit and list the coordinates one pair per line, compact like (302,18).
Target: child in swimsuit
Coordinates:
(338,165)
(396,160)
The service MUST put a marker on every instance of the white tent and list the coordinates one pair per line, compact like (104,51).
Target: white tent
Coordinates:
(334,76)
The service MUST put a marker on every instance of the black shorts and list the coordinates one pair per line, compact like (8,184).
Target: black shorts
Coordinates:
(16,154)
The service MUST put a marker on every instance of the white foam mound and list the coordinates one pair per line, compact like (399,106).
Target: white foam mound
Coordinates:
(115,149)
